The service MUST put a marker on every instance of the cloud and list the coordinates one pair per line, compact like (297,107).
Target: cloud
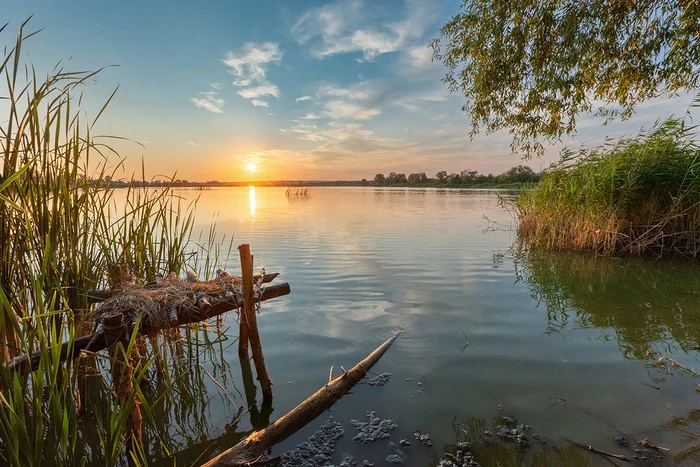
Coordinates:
(359,101)
(250,62)
(249,65)
(217,86)
(310,117)
(303,98)
(259,103)
(420,57)
(209,102)
(343,110)
(193,144)
(260,91)
(342,28)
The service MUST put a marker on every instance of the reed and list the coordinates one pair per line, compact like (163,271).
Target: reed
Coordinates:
(633,196)
(298,192)
(62,225)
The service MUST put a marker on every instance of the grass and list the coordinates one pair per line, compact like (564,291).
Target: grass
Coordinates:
(633,196)
(60,230)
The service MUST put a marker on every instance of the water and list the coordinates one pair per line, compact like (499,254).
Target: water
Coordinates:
(566,343)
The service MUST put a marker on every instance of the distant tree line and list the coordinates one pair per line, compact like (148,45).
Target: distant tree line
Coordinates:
(513,177)
(466,178)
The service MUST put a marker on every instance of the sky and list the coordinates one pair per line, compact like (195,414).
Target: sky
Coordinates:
(263,90)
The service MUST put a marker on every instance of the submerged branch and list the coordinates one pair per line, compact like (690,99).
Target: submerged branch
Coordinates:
(254,446)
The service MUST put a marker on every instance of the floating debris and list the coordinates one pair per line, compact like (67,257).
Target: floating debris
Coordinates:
(621,441)
(463,457)
(348,461)
(374,429)
(398,457)
(510,432)
(317,450)
(367,463)
(380,380)
(405,443)
(423,438)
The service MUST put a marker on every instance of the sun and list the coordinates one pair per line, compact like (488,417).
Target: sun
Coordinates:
(251,167)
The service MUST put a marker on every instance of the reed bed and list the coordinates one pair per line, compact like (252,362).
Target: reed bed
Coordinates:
(633,196)
(298,192)
(62,225)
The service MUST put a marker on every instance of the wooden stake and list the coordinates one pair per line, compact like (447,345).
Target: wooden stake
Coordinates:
(254,446)
(252,321)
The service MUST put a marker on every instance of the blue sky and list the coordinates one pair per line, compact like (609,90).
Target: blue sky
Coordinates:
(301,90)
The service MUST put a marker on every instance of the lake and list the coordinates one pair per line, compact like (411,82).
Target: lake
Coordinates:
(566,343)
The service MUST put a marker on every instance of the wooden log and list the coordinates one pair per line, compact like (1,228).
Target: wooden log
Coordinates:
(96,341)
(100,295)
(251,321)
(255,445)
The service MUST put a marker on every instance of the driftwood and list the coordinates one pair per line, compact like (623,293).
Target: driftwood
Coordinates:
(588,447)
(254,446)
(96,342)
(101,295)
(679,365)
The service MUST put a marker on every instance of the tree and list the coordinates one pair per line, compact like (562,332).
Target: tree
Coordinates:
(441,176)
(518,174)
(533,66)
(379,179)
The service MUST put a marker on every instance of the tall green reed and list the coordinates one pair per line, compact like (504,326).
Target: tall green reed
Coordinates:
(636,195)
(61,226)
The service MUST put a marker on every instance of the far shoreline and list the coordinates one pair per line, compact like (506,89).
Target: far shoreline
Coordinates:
(312,183)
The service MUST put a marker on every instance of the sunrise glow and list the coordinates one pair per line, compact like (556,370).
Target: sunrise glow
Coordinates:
(251,167)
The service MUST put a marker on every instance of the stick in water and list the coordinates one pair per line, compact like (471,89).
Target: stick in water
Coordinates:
(254,446)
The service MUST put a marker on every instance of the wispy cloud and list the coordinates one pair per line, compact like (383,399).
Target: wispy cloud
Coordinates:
(421,57)
(260,91)
(343,110)
(193,144)
(342,28)
(209,101)
(310,117)
(249,66)
(259,103)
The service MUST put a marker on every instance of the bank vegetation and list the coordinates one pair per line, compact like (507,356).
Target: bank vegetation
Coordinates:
(638,196)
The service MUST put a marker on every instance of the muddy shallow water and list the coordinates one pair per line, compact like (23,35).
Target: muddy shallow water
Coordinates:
(567,344)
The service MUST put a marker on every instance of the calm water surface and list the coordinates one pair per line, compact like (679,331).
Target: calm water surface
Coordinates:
(565,343)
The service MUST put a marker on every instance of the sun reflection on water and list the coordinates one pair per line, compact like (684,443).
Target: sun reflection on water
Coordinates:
(252,200)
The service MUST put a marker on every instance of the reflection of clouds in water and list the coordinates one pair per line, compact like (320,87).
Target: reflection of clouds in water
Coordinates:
(351,319)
